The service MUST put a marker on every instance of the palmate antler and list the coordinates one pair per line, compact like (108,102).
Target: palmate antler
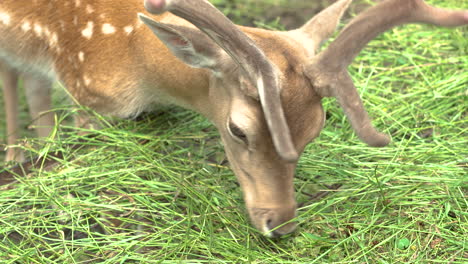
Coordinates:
(328,70)
(248,56)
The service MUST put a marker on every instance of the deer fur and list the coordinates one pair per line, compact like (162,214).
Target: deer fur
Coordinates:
(262,89)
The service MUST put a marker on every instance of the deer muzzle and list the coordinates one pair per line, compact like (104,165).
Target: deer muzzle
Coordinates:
(275,221)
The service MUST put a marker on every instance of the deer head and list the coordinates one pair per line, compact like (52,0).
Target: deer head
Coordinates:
(266,87)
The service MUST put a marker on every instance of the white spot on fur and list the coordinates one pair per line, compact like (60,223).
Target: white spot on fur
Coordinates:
(89,9)
(108,29)
(26,26)
(128,29)
(81,56)
(5,18)
(77,3)
(53,39)
(88,31)
(38,29)
(86,80)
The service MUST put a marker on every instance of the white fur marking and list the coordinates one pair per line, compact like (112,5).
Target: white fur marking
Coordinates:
(86,80)
(38,29)
(5,18)
(26,26)
(108,29)
(89,9)
(53,39)
(88,31)
(81,56)
(128,29)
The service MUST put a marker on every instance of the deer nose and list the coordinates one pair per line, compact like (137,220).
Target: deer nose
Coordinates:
(274,222)
(276,229)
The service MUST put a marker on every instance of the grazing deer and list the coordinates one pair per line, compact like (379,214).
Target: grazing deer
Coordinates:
(262,89)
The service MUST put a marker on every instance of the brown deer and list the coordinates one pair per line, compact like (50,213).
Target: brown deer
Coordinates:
(262,89)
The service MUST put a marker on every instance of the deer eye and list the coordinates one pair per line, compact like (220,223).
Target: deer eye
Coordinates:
(237,132)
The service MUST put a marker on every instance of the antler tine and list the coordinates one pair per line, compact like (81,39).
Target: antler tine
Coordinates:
(323,25)
(248,56)
(328,70)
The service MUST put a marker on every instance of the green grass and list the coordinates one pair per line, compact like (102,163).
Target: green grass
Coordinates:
(158,190)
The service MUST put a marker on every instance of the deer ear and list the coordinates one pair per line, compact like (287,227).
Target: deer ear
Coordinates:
(189,45)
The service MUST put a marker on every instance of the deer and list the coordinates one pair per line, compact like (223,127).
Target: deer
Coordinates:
(262,89)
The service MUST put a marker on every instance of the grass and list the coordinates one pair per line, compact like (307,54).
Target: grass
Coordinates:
(158,190)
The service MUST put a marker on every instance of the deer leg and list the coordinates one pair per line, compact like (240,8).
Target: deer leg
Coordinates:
(10,93)
(38,95)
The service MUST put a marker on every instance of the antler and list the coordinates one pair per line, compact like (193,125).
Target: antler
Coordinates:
(247,55)
(323,25)
(328,72)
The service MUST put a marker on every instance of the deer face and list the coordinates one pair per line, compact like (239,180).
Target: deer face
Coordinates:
(262,155)
(265,88)
(265,177)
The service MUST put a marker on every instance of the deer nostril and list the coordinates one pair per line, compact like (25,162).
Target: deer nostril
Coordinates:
(274,222)
(270,226)
(275,229)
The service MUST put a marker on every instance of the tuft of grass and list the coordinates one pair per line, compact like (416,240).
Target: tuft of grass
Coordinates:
(158,190)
